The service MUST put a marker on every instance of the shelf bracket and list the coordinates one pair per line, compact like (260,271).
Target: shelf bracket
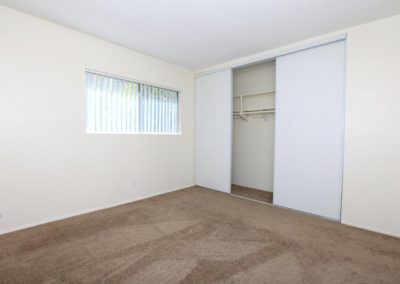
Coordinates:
(243,116)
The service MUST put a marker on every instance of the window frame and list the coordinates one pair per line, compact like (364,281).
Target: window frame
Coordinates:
(118,77)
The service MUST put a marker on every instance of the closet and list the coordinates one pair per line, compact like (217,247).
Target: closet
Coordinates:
(276,125)
(253,131)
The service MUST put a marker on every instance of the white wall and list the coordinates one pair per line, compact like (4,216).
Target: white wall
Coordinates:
(371,186)
(371,192)
(49,167)
(253,140)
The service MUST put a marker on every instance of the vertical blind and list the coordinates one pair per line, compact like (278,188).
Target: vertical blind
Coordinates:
(117,105)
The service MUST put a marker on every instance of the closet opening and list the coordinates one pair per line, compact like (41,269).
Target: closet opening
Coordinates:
(253,131)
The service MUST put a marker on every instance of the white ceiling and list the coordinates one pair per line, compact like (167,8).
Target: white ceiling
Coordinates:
(201,33)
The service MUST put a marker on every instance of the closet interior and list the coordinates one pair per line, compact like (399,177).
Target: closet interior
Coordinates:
(253,131)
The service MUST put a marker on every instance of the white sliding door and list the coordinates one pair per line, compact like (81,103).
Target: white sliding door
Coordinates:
(309,127)
(214,130)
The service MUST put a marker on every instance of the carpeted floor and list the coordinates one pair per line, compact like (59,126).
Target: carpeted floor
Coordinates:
(256,194)
(198,235)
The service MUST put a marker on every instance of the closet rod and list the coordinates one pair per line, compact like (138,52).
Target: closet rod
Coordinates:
(254,112)
(245,114)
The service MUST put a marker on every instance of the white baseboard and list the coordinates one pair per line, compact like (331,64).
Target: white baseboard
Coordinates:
(85,211)
(371,229)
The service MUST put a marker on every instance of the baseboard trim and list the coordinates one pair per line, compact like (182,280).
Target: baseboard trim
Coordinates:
(371,229)
(85,211)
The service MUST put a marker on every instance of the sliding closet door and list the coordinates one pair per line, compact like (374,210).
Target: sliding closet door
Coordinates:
(310,130)
(214,130)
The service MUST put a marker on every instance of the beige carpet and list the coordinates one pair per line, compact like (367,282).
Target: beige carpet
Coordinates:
(252,193)
(198,235)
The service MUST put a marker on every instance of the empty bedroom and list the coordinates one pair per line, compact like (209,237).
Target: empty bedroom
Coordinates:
(199,141)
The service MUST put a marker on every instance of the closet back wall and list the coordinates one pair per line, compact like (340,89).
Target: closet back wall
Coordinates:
(49,167)
(253,140)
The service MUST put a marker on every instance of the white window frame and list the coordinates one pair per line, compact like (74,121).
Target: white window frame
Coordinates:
(118,77)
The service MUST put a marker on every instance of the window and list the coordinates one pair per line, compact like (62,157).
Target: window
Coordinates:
(116,105)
